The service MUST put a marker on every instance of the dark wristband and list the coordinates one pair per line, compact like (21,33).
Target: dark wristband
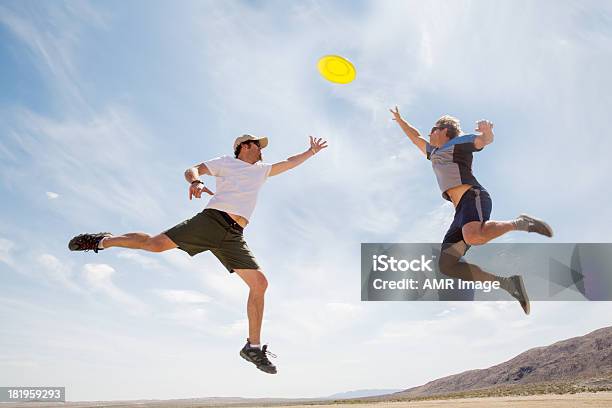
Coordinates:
(197,181)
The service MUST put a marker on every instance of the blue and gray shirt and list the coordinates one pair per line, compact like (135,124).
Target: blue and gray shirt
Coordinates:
(452,163)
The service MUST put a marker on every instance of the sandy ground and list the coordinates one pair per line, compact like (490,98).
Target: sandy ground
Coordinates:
(599,400)
(589,400)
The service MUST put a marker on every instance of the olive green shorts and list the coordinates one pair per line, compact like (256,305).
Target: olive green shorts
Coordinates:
(214,231)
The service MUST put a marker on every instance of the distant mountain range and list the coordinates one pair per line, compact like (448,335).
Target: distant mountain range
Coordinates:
(361,394)
(578,358)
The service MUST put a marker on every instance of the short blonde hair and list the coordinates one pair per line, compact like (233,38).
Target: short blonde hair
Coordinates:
(452,125)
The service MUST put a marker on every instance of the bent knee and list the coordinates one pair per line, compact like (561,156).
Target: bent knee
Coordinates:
(473,236)
(257,281)
(260,282)
(254,278)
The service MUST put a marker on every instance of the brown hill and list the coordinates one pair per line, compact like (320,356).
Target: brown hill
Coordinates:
(588,356)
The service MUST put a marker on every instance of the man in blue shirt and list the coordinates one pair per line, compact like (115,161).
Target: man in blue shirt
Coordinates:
(451,155)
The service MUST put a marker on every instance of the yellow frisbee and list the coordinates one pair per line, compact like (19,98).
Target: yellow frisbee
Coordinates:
(336,69)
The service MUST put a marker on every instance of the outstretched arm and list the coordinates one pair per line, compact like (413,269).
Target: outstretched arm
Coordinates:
(486,134)
(410,131)
(196,186)
(316,145)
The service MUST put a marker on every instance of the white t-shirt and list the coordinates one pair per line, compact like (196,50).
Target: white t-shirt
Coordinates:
(238,183)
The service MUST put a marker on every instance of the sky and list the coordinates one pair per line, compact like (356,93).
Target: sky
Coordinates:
(103,105)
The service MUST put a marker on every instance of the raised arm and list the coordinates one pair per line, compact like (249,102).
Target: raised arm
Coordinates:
(196,186)
(410,131)
(486,134)
(316,145)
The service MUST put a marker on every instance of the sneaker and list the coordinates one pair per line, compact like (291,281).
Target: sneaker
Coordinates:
(536,225)
(259,357)
(87,242)
(519,292)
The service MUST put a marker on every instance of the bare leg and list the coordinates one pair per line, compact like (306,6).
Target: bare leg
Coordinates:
(139,240)
(257,283)
(477,233)
(451,265)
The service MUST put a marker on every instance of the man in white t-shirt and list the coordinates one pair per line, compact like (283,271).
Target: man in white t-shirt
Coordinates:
(220,226)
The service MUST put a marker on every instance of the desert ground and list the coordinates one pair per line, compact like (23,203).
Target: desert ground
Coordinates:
(599,400)
(580,400)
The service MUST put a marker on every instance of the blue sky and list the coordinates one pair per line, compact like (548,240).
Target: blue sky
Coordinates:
(105,104)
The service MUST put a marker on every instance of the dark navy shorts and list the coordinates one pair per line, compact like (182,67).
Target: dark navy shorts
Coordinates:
(475,205)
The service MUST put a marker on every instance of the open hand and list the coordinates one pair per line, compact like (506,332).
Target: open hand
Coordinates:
(196,189)
(484,126)
(317,145)
(396,114)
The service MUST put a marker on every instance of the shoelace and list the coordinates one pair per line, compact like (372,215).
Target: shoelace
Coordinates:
(266,353)
(88,242)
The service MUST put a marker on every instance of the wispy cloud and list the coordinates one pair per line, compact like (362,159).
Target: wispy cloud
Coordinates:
(182,296)
(99,277)
(81,158)
(6,249)
(237,328)
(312,320)
(54,44)
(140,259)
(210,274)
(58,273)
(195,318)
